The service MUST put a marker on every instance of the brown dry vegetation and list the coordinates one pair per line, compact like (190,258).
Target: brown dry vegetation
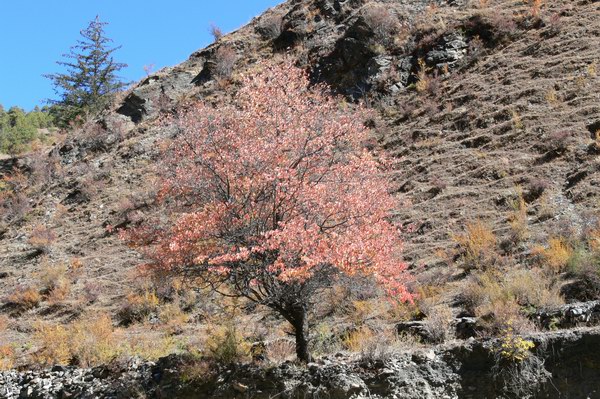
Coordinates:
(496,157)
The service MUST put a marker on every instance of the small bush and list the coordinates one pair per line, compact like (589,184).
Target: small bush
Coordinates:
(226,345)
(358,339)
(535,8)
(518,372)
(502,313)
(558,141)
(76,266)
(514,348)
(517,120)
(281,350)
(584,264)
(150,348)
(377,345)
(138,307)
(25,297)
(14,207)
(7,357)
(3,323)
(504,299)
(55,282)
(438,323)
(555,256)
(42,238)
(91,186)
(91,291)
(54,343)
(596,139)
(87,342)
(518,219)
(216,32)
(173,318)
(537,187)
(427,83)
(224,61)
(382,22)
(93,341)
(477,246)
(532,288)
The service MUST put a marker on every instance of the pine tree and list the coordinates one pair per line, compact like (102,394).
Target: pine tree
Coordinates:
(91,76)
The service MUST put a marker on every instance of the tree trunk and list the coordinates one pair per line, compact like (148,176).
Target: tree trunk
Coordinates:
(299,321)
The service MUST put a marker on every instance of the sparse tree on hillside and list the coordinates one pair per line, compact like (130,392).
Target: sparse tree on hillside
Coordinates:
(90,77)
(275,196)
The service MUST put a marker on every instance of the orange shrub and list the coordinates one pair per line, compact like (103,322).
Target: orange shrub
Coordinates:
(42,238)
(7,357)
(477,244)
(25,297)
(556,256)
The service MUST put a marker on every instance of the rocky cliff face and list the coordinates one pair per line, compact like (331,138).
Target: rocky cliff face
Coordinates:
(566,366)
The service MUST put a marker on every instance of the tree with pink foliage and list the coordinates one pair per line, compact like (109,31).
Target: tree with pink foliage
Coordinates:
(275,195)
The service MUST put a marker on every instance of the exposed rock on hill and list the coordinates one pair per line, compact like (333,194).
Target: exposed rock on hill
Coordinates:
(464,371)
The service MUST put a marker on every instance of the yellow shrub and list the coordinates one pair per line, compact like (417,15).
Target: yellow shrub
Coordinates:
(552,97)
(477,244)
(556,256)
(502,313)
(531,287)
(377,344)
(226,345)
(93,341)
(87,342)
(362,311)
(55,345)
(500,299)
(423,80)
(514,348)
(517,120)
(138,307)
(173,318)
(356,340)
(518,218)
(151,348)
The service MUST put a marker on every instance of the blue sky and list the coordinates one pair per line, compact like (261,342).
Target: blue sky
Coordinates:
(35,33)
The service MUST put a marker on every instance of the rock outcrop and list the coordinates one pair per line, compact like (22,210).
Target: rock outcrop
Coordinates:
(564,364)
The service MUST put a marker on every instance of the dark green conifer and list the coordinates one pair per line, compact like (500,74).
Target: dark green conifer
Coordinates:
(90,78)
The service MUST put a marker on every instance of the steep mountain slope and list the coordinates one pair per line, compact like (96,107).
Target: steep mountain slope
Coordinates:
(482,104)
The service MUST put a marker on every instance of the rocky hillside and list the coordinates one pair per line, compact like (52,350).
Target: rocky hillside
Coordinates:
(490,108)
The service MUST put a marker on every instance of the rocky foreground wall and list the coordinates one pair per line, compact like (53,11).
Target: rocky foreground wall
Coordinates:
(566,366)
